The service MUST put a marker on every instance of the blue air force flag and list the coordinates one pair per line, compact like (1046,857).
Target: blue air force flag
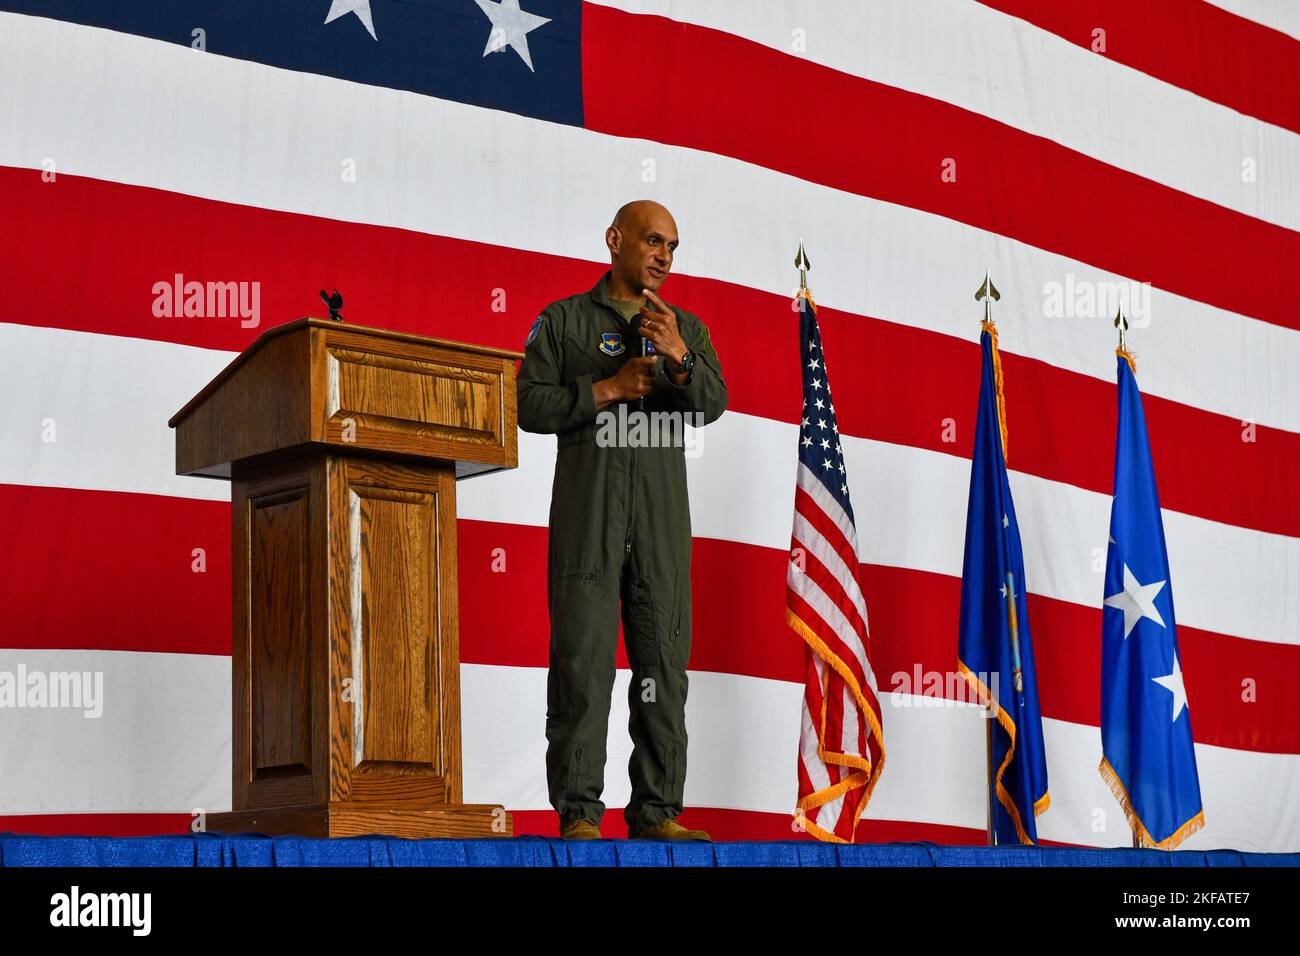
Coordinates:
(994,652)
(1146,727)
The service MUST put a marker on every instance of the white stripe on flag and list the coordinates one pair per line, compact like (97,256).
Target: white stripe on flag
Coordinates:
(741,732)
(1228,580)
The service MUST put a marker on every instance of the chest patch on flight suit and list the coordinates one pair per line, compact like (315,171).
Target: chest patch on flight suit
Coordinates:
(611,343)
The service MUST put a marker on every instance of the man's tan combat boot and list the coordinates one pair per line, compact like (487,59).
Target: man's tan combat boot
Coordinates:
(580,829)
(668,830)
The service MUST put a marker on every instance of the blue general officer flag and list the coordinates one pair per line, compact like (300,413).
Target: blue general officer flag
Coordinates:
(994,652)
(1146,729)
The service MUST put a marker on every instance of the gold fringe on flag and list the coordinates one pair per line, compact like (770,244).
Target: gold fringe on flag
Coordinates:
(988,326)
(1144,838)
(864,774)
(1004,719)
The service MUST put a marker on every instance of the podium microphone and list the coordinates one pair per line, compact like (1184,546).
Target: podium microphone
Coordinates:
(333,303)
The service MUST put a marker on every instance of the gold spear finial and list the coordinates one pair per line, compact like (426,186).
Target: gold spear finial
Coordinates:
(803,265)
(989,293)
(1121,323)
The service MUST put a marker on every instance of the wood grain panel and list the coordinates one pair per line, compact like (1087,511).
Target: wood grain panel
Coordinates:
(420,398)
(345,820)
(279,632)
(279,655)
(258,404)
(396,569)
(395,642)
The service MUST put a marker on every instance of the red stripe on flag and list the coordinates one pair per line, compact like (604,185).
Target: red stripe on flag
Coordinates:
(1206,466)
(742,98)
(913,614)
(913,617)
(103,570)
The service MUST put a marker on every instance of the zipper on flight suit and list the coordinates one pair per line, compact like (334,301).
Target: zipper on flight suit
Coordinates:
(631,506)
(627,539)
(631,502)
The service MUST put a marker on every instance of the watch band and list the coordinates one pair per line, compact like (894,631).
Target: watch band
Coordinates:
(687,364)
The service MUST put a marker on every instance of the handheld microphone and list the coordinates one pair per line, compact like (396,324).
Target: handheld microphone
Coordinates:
(645,350)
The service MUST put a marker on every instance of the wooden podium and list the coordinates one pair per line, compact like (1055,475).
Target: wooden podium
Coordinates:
(343,444)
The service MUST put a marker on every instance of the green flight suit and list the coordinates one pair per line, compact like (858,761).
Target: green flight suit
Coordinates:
(619,543)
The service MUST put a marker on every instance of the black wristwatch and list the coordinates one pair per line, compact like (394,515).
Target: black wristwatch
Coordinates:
(687,364)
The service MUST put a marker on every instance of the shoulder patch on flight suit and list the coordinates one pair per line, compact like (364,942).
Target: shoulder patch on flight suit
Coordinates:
(611,343)
(532,333)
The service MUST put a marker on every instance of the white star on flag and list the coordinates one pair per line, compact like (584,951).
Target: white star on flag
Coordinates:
(1174,684)
(1136,601)
(341,8)
(510,27)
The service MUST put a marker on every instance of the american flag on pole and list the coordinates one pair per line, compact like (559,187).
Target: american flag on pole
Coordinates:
(841,744)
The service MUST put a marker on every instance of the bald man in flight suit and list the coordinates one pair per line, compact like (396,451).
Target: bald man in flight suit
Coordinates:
(620,524)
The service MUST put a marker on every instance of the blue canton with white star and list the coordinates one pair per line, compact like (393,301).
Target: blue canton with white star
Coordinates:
(523,56)
(819,434)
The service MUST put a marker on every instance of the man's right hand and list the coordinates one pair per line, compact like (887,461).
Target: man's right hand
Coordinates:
(634,379)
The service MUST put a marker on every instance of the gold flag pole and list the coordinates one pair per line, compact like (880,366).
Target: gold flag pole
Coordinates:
(1122,351)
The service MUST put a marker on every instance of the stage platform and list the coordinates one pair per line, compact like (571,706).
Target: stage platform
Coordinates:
(252,850)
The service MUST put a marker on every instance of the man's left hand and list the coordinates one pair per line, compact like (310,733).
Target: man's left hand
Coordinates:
(659,325)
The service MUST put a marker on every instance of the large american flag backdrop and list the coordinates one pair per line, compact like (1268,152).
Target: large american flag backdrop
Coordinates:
(450,165)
